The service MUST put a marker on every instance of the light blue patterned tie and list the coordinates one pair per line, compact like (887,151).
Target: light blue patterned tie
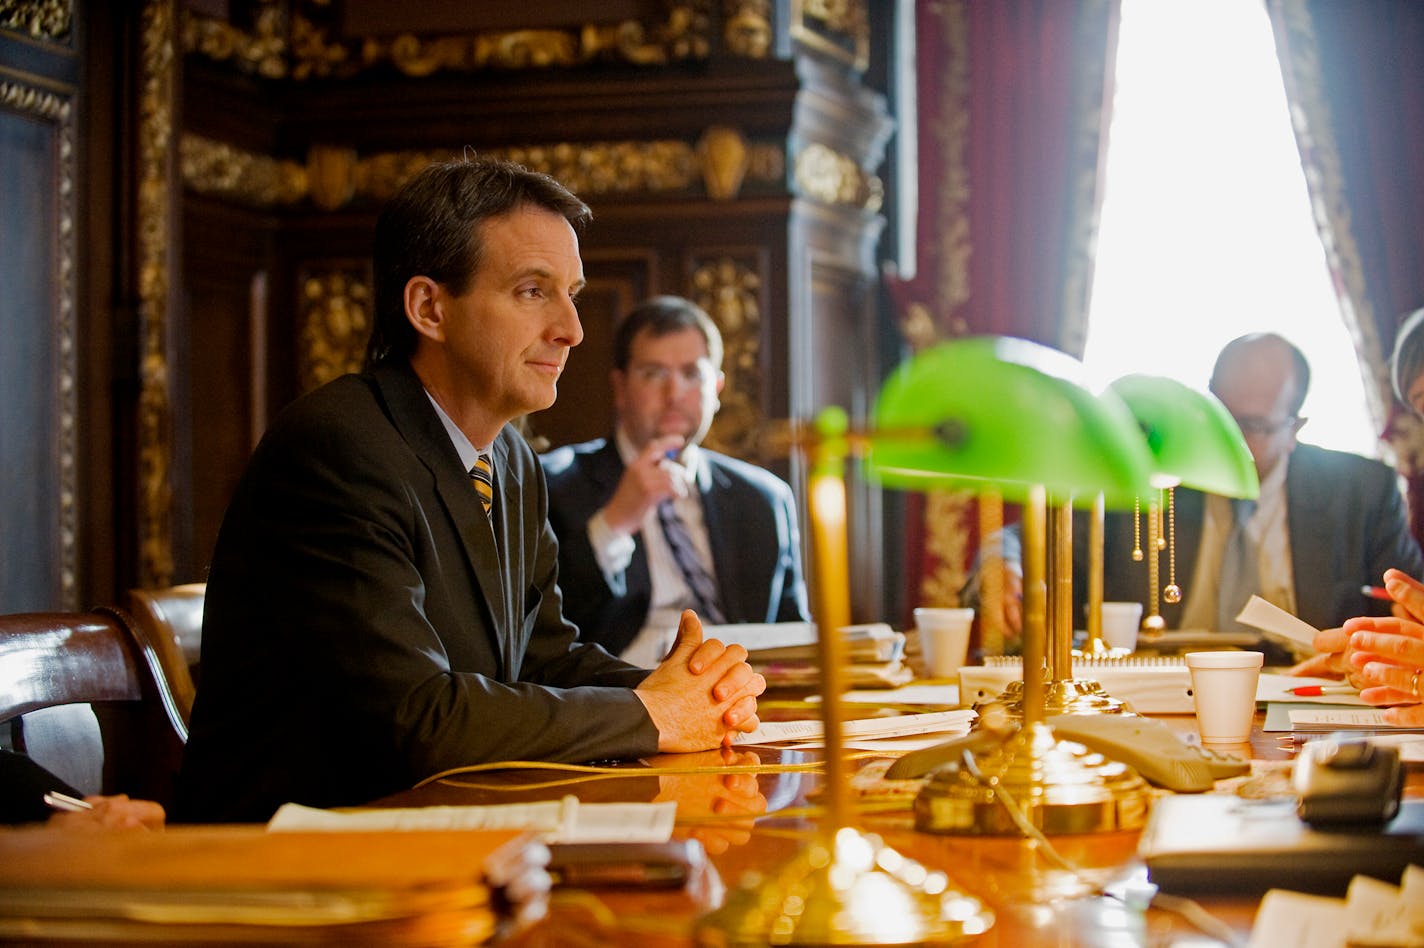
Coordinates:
(704,590)
(1238,577)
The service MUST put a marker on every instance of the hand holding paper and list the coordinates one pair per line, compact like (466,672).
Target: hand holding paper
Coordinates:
(1279,626)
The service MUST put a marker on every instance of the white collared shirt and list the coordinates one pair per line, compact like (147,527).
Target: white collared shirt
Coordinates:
(613,550)
(1268,528)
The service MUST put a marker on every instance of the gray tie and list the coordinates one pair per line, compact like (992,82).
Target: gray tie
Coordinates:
(704,590)
(1237,580)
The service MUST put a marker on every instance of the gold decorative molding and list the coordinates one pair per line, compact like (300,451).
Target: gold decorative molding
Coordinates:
(724,156)
(335,316)
(40,19)
(155,205)
(946,539)
(945,516)
(302,46)
(833,178)
(216,168)
(839,28)
(729,289)
(262,51)
(746,29)
(57,110)
(952,136)
(333,176)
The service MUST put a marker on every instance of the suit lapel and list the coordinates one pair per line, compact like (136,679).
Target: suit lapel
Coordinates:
(605,469)
(1304,510)
(415,418)
(711,488)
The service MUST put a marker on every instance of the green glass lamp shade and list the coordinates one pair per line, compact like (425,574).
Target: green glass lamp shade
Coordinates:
(1193,438)
(1008,413)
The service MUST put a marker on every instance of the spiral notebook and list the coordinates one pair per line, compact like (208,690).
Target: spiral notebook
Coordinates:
(1152,684)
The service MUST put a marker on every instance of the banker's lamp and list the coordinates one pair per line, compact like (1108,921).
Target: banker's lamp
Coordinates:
(1194,443)
(1017,416)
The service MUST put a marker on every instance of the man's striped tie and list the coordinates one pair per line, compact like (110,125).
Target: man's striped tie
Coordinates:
(482,476)
(679,542)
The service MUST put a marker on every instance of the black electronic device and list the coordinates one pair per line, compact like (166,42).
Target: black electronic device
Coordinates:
(1342,779)
(668,865)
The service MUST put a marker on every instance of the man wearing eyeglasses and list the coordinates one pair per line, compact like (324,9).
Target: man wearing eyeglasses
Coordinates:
(1326,523)
(650,522)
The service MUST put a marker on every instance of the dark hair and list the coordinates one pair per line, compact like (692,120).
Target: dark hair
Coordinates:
(662,316)
(1407,361)
(432,228)
(1232,351)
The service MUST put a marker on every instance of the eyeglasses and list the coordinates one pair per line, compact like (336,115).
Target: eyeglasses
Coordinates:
(651,373)
(1256,425)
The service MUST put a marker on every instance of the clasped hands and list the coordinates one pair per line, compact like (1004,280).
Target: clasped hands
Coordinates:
(703,693)
(1380,655)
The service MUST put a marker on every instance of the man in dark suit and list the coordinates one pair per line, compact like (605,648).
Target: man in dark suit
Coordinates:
(382,602)
(648,521)
(1326,523)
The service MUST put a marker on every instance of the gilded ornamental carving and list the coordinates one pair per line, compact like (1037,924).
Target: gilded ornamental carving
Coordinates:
(336,317)
(40,19)
(729,290)
(303,45)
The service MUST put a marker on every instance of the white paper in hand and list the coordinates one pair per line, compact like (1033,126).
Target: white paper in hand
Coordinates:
(1280,626)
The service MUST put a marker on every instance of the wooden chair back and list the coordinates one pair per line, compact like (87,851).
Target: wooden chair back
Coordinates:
(172,620)
(83,694)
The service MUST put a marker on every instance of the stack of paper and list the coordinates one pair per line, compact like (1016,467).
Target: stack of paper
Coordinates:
(242,884)
(787,653)
(1372,913)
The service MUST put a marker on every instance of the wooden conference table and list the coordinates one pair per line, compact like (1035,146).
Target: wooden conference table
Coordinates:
(1034,902)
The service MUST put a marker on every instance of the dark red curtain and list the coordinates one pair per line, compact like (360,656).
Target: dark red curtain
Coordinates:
(1354,73)
(1013,111)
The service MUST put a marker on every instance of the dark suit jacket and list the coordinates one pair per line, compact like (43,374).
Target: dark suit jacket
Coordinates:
(1347,525)
(366,625)
(751,526)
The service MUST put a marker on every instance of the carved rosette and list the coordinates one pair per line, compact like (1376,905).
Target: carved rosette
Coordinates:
(729,290)
(155,567)
(57,110)
(746,29)
(834,178)
(336,318)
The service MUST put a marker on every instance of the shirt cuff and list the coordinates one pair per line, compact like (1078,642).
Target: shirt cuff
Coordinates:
(612,548)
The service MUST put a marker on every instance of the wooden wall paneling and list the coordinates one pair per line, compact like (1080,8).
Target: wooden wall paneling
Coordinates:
(228,249)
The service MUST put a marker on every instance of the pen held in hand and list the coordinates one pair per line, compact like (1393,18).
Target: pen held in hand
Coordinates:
(65,803)
(1375,592)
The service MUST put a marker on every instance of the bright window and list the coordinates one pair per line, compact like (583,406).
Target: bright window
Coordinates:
(1206,229)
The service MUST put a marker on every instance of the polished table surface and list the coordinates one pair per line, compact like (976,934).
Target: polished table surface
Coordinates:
(1034,902)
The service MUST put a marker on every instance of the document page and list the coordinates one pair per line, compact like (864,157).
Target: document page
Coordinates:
(557,821)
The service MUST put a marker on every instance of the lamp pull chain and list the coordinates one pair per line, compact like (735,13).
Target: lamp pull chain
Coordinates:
(1137,529)
(1172,593)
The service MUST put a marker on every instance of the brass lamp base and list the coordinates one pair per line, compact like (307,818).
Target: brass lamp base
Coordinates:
(854,891)
(1065,696)
(1060,787)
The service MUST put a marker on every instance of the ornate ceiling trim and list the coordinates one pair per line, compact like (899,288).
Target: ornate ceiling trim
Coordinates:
(333,177)
(302,45)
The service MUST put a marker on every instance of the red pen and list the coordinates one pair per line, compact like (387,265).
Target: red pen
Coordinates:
(1375,592)
(1315,691)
